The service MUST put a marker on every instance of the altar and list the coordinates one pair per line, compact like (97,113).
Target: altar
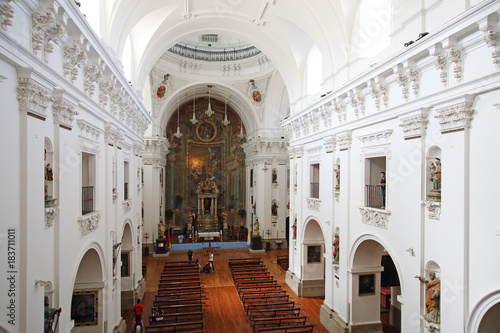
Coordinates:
(209,235)
(208,193)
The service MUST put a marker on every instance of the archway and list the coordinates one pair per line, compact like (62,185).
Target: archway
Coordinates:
(484,317)
(375,285)
(313,261)
(127,267)
(87,300)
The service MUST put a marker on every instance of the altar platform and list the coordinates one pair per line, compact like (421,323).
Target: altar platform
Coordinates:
(201,246)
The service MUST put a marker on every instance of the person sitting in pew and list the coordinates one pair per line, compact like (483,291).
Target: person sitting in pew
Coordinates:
(159,312)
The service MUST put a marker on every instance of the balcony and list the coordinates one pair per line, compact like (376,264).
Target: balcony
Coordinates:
(373,197)
(87,199)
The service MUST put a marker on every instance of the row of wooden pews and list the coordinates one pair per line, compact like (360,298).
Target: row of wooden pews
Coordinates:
(283,262)
(268,307)
(180,299)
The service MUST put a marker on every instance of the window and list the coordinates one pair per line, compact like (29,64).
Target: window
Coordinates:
(315,180)
(88,183)
(375,182)
(125,180)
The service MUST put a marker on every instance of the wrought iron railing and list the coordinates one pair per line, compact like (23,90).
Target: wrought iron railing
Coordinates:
(87,199)
(204,55)
(315,190)
(374,197)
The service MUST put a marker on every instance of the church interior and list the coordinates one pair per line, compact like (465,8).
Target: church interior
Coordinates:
(330,163)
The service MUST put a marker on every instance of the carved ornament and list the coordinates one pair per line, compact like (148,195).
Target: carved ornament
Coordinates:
(89,223)
(375,217)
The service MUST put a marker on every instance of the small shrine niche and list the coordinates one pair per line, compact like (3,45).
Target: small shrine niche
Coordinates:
(336,170)
(336,247)
(433,183)
(275,177)
(274,208)
(48,162)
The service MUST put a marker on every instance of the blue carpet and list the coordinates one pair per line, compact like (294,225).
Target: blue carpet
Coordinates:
(199,246)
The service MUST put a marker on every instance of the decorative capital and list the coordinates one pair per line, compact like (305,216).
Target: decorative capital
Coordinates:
(329,143)
(63,110)
(33,97)
(457,116)
(415,125)
(375,217)
(434,208)
(314,204)
(89,223)
(375,138)
(344,140)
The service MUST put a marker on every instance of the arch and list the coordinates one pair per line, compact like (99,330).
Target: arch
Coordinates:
(313,259)
(311,224)
(97,248)
(365,268)
(238,102)
(88,288)
(481,310)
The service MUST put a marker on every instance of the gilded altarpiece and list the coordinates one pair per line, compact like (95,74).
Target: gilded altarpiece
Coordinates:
(206,169)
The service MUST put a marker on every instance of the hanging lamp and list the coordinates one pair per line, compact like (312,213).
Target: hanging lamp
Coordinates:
(209,111)
(194,120)
(241,136)
(225,122)
(178,134)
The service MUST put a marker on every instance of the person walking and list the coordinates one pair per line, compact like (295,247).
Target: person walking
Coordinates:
(139,312)
(211,261)
(190,255)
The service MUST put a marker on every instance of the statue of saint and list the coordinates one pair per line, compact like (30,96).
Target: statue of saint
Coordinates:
(256,227)
(161,229)
(336,242)
(432,297)
(48,172)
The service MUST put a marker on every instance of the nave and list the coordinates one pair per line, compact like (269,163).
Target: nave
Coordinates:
(222,308)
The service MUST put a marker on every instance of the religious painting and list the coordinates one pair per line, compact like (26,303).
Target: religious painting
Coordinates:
(205,160)
(206,131)
(367,284)
(314,254)
(84,308)
(125,269)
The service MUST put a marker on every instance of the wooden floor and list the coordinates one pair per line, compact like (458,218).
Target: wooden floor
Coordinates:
(223,311)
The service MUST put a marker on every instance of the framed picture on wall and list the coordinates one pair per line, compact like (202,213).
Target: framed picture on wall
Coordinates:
(125,269)
(367,284)
(314,253)
(84,308)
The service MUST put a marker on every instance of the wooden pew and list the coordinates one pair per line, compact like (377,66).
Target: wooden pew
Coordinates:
(180,317)
(265,299)
(256,283)
(251,273)
(178,268)
(176,308)
(180,284)
(267,287)
(278,321)
(186,295)
(164,291)
(179,279)
(180,262)
(252,278)
(176,301)
(287,329)
(243,261)
(192,327)
(187,273)
(269,306)
(276,312)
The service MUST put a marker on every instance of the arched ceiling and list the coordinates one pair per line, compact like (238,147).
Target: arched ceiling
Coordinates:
(283,30)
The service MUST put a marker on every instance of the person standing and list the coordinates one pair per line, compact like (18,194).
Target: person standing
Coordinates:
(382,185)
(190,255)
(211,260)
(49,314)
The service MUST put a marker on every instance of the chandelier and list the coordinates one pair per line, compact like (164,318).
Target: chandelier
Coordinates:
(209,112)
(225,122)
(178,134)
(194,120)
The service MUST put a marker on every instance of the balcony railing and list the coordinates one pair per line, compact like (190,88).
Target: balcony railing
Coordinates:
(125,191)
(374,198)
(229,55)
(87,199)
(315,190)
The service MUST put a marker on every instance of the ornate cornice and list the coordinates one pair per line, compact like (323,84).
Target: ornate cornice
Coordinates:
(33,97)
(73,59)
(357,100)
(403,81)
(314,150)
(50,214)
(105,89)
(492,39)
(315,120)
(314,204)
(340,108)
(329,143)
(6,13)
(415,125)
(434,208)
(304,121)
(63,111)
(89,223)
(46,30)
(138,148)
(92,75)
(344,140)
(376,138)
(88,131)
(375,217)
(457,116)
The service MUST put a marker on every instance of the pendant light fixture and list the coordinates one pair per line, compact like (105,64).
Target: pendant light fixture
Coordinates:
(225,122)
(209,111)
(241,136)
(194,120)
(178,134)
